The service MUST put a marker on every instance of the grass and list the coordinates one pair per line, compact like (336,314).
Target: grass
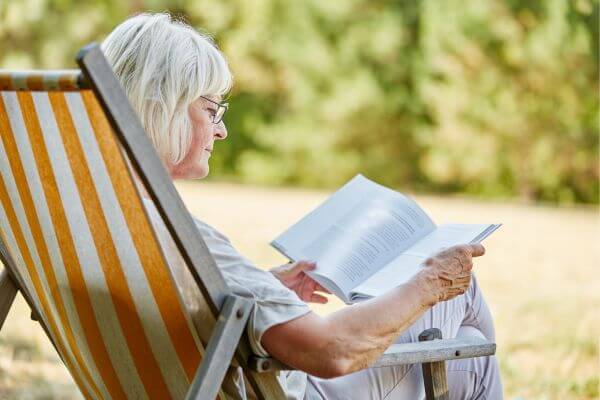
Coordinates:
(539,276)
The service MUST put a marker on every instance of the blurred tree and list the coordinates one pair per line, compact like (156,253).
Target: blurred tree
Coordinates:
(488,97)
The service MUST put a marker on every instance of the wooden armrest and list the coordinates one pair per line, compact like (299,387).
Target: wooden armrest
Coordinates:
(435,350)
(406,353)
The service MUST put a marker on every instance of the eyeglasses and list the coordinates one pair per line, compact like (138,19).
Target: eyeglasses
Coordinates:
(221,108)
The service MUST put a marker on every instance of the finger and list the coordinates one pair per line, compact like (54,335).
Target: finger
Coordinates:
(477,249)
(462,282)
(314,287)
(456,291)
(317,298)
(455,281)
(307,289)
(302,266)
(292,269)
(319,288)
(463,285)
(450,293)
(446,280)
(283,271)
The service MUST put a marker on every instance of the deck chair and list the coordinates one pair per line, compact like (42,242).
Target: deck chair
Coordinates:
(77,243)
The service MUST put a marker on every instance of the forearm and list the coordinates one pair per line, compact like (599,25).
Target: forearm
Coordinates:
(362,332)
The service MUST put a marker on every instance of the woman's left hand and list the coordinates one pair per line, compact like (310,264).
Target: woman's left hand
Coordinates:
(294,277)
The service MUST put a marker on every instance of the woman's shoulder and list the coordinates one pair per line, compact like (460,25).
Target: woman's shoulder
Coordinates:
(208,230)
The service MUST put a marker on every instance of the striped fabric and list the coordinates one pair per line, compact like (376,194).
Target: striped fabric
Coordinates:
(66,80)
(85,250)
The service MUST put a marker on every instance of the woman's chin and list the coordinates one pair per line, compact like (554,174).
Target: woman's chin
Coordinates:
(202,176)
(202,173)
(195,172)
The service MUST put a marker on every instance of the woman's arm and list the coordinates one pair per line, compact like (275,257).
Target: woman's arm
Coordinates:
(353,337)
(349,339)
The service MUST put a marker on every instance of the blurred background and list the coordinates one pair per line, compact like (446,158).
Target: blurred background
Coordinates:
(485,110)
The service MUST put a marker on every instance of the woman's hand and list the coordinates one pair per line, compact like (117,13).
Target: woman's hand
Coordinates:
(293,276)
(448,273)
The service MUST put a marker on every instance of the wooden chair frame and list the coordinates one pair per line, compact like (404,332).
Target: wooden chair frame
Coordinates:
(228,343)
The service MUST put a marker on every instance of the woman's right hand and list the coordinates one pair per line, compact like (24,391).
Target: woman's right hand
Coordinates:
(448,273)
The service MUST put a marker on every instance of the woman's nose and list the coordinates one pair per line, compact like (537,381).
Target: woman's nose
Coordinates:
(221,131)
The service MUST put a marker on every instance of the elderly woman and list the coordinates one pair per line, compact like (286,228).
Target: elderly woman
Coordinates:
(176,78)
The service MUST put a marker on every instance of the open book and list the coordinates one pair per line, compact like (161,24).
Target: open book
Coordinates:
(367,239)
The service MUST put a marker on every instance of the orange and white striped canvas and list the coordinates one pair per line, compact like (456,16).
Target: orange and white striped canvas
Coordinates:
(75,225)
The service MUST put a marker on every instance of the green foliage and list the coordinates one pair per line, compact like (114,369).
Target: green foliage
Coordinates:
(490,97)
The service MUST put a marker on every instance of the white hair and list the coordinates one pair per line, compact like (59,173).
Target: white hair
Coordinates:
(164,65)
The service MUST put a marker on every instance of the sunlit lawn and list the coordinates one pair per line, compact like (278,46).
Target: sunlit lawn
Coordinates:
(540,278)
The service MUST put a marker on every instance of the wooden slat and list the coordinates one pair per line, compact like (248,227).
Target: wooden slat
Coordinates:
(221,347)
(8,292)
(36,80)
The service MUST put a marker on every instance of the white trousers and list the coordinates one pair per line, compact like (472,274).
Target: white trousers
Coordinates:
(472,378)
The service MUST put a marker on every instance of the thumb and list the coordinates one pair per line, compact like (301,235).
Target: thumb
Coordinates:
(477,250)
(302,266)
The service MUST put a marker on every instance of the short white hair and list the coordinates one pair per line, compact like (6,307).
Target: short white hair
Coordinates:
(164,65)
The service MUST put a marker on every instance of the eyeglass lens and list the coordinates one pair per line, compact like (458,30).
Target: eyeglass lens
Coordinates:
(219,115)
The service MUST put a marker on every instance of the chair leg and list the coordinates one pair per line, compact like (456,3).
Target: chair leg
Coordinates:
(434,373)
(9,285)
(8,292)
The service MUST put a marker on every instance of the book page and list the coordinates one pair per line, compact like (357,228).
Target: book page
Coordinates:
(376,225)
(400,270)
(448,235)
(298,236)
